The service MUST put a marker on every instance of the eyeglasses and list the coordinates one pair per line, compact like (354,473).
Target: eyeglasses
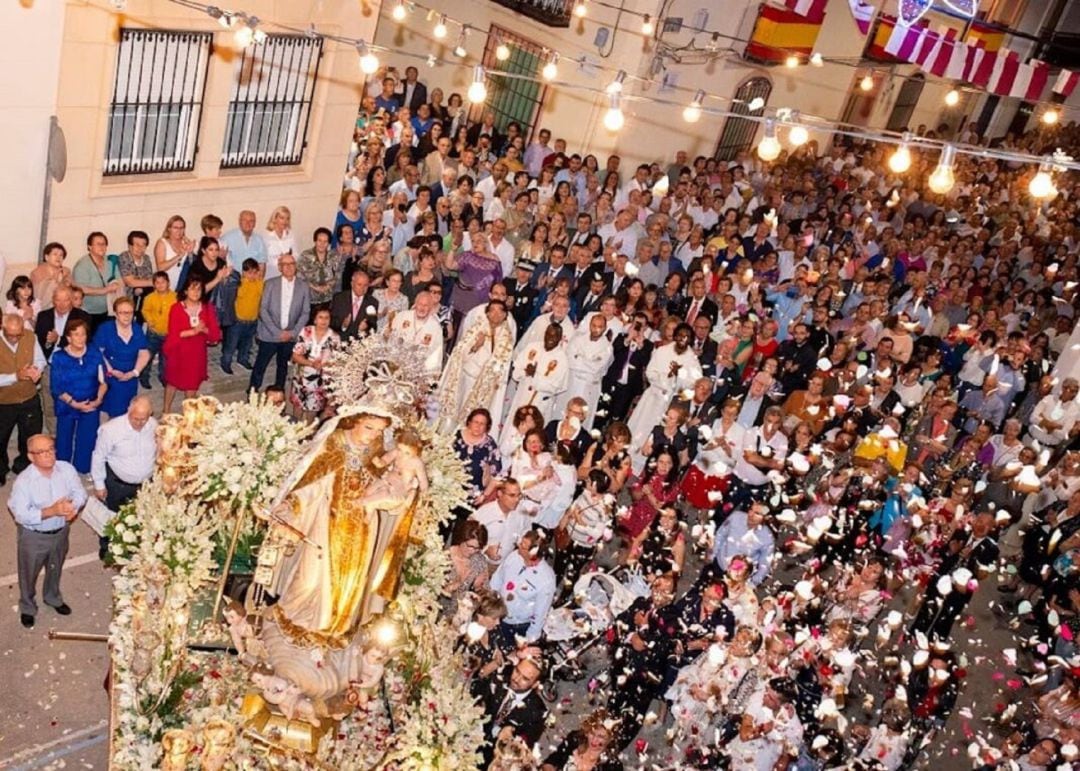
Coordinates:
(50,451)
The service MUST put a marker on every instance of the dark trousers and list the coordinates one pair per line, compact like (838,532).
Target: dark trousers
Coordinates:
(154,343)
(238,340)
(117,493)
(27,417)
(266,352)
(76,435)
(96,320)
(34,552)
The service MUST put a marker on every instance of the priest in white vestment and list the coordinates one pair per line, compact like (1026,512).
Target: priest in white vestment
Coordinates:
(589,354)
(542,372)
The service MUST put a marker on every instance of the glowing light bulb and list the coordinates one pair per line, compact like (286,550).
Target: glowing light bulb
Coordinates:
(792,61)
(952,98)
(943,178)
(798,136)
(226,20)
(478,89)
(1051,116)
(244,36)
(551,69)
(399,11)
(614,118)
(440,29)
(259,36)
(900,161)
(1042,184)
(369,62)
(692,111)
(616,86)
(817,60)
(647,26)
(768,148)
(502,51)
(580,10)
(867,83)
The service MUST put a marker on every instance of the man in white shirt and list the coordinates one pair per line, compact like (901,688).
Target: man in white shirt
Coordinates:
(622,234)
(526,583)
(1055,416)
(124,458)
(419,326)
(506,521)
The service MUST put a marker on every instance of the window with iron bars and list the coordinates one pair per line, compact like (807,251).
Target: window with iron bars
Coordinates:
(738,133)
(513,99)
(157,101)
(270,109)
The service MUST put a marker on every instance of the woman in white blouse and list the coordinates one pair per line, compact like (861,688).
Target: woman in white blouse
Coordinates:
(279,239)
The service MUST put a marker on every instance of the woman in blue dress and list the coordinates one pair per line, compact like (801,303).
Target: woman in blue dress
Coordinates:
(125,352)
(78,387)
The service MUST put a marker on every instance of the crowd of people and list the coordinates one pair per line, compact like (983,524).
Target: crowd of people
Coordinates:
(807,407)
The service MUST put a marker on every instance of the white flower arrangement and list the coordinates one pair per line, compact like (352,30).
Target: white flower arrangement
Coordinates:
(247,449)
(164,545)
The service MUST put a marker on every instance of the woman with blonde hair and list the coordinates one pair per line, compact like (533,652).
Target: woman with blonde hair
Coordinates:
(172,248)
(279,239)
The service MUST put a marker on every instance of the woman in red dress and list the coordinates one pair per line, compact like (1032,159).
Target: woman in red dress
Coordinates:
(193,327)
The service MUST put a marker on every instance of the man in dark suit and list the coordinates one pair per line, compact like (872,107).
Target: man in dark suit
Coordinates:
(51,325)
(591,290)
(625,378)
(704,346)
(513,705)
(697,304)
(486,127)
(545,273)
(411,91)
(521,294)
(701,410)
(355,312)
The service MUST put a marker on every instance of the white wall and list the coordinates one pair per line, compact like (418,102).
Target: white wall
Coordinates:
(29,66)
(86,200)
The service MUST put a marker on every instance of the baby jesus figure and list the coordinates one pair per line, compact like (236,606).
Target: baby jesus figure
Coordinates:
(405,474)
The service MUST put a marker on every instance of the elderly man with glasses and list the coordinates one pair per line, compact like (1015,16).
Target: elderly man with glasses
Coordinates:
(46,497)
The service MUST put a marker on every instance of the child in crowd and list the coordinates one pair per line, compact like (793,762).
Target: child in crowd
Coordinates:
(156,309)
(240,334)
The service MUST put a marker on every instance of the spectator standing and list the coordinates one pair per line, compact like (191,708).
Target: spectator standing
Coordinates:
(173,248)
(98,277)
(45,499)
(21,366)
(241,333)
(124,458)
(21,301)
(279,239)
(526,583)
(50,273)
(320,267)
(137,270)
(156,308)
(123,347)
(78,389)
(242,243)
(283,309)
(313,350)
(193,327)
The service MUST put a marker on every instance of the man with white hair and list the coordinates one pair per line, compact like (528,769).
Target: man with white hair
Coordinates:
(124,458)
(1055,416)
(419,326)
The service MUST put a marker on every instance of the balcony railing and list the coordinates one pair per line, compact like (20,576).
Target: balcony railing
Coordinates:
(553,13)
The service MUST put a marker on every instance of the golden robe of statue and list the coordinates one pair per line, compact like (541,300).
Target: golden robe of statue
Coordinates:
(326,593)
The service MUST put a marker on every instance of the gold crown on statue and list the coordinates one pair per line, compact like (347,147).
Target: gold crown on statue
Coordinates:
(379,374)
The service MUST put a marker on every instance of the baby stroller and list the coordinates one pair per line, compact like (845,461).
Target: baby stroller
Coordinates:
(574,628)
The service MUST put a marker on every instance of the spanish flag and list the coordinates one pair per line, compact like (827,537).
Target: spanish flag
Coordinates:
(780,32)
(989,38)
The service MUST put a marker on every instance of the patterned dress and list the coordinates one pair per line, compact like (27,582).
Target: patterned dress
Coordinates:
(309,384)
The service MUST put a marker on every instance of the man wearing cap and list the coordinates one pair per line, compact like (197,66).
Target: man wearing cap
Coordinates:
(520,293)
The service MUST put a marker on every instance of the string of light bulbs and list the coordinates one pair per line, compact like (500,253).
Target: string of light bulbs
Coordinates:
(248,29)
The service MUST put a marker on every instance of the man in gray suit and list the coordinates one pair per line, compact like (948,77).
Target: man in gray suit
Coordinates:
(283,311)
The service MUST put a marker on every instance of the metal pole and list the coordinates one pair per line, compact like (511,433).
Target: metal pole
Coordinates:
(78,636)
(228,563)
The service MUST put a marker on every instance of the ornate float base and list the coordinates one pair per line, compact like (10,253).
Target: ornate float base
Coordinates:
(265,720)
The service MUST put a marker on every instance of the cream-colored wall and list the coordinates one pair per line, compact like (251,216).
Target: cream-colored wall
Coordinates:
(88,201)
(29,64)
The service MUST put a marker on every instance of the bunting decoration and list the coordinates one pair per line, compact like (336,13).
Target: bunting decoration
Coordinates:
(780,32)
(1066,83)
(863,15)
